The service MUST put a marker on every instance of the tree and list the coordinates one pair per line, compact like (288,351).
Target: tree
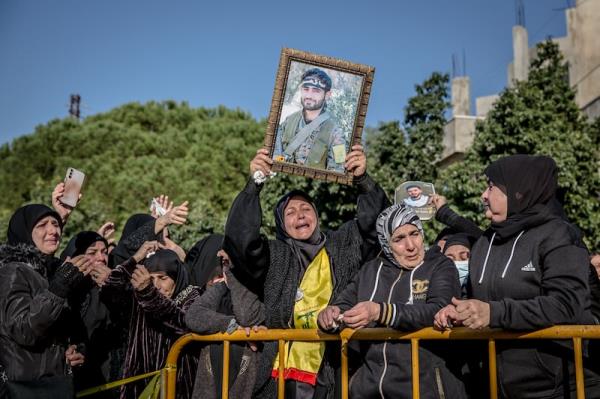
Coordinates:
(132,153)
(409,152)
(537,116)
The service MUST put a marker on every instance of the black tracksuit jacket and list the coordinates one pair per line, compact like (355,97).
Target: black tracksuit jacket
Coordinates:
(534,279)
(386,366)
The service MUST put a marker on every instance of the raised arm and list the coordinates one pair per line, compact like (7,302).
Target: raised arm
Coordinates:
(447,216)
(372,200)
(244,244)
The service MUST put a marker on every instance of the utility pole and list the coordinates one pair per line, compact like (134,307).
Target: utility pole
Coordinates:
(74,106)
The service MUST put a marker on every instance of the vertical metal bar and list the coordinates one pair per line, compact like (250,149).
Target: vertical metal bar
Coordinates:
(414,346)
(163,384)
(344,368)
(492,369)
(578,367)
(225,384)
(171,378)
(280,379)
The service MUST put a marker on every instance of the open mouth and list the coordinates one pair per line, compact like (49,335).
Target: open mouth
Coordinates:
(303,226)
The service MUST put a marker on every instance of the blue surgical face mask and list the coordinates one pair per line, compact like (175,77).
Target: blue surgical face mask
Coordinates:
(463,270)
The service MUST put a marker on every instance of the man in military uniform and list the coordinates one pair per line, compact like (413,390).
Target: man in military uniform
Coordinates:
(311,136)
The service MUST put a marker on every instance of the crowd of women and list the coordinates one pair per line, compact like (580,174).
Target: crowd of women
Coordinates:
(100,311)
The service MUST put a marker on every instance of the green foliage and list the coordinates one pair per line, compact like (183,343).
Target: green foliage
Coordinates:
(537,116)
(131,154)
(398,154)
(409,152)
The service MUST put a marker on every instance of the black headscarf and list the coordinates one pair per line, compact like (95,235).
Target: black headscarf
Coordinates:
(167,261)
(135,222)
(80,243)
(305,250)
(459,239)
(24,220)
(529,183)
(122,252)
(202,260)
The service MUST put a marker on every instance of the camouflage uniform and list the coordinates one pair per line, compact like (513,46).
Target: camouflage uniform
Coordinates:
(317,150)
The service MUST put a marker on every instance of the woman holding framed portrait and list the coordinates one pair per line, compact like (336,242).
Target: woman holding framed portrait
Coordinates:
(298,273)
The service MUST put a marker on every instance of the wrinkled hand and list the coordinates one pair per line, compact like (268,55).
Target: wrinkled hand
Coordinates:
(74,358)
(356,161)
(438,201)
(81,262)
(100,274)
(252,344)
(177,215)
(170,244)
(107,230)
(140,278)
(261,162)
(472,313)
(328,318)
(361,314)
(146,248)
(63,210)
(446,318)
(163,201)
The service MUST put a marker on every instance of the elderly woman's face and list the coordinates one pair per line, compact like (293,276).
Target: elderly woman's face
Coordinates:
(163,283)
(495,203)
(299,218)
(46,235)
(97,253)
(407,246)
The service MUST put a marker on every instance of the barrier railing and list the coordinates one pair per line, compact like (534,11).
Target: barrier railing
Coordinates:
(574,333)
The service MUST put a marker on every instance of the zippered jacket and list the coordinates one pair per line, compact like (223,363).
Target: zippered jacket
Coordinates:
(534,279)
(413,297)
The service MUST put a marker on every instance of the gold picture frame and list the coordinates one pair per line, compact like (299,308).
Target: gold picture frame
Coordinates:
(347,116)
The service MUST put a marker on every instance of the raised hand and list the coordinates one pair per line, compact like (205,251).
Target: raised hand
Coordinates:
(146,248)
(63,210)
(356,161)
(261,162)
(140,278)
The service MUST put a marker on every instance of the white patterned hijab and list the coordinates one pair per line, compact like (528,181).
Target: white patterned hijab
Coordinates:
(389,220)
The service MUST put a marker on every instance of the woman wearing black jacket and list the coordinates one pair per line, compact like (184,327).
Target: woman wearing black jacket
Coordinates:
(526,273)
(38,330)
(402,289)
(301,270)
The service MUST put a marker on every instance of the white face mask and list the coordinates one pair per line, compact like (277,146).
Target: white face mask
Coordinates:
(463,270)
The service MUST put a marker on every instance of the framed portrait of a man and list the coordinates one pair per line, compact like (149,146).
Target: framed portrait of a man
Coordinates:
(317,114)
(417,195)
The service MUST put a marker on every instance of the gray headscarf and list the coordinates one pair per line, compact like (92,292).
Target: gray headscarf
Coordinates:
(389,220)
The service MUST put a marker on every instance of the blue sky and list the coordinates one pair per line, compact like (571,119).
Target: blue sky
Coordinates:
(226,52)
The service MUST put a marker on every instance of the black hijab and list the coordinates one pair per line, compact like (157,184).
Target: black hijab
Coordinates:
(305,250)
(135,222)
(167,261)
(529,183)
(202,260)
(24,220)
(459,239)
(121,253)
(80,243)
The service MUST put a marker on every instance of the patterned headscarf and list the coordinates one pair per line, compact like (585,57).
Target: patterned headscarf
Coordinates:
(389,220)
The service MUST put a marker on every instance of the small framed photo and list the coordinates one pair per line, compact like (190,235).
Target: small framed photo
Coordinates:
(417,195)
(317,114)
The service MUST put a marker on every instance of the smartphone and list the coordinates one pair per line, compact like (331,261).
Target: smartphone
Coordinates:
(73,184)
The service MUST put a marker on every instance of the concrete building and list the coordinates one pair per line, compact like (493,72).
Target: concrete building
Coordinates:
(581,49)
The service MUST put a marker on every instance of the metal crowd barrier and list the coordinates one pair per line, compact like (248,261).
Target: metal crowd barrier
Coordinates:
(575,333)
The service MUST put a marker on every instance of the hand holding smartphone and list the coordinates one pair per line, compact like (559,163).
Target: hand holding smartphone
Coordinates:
(73,184)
